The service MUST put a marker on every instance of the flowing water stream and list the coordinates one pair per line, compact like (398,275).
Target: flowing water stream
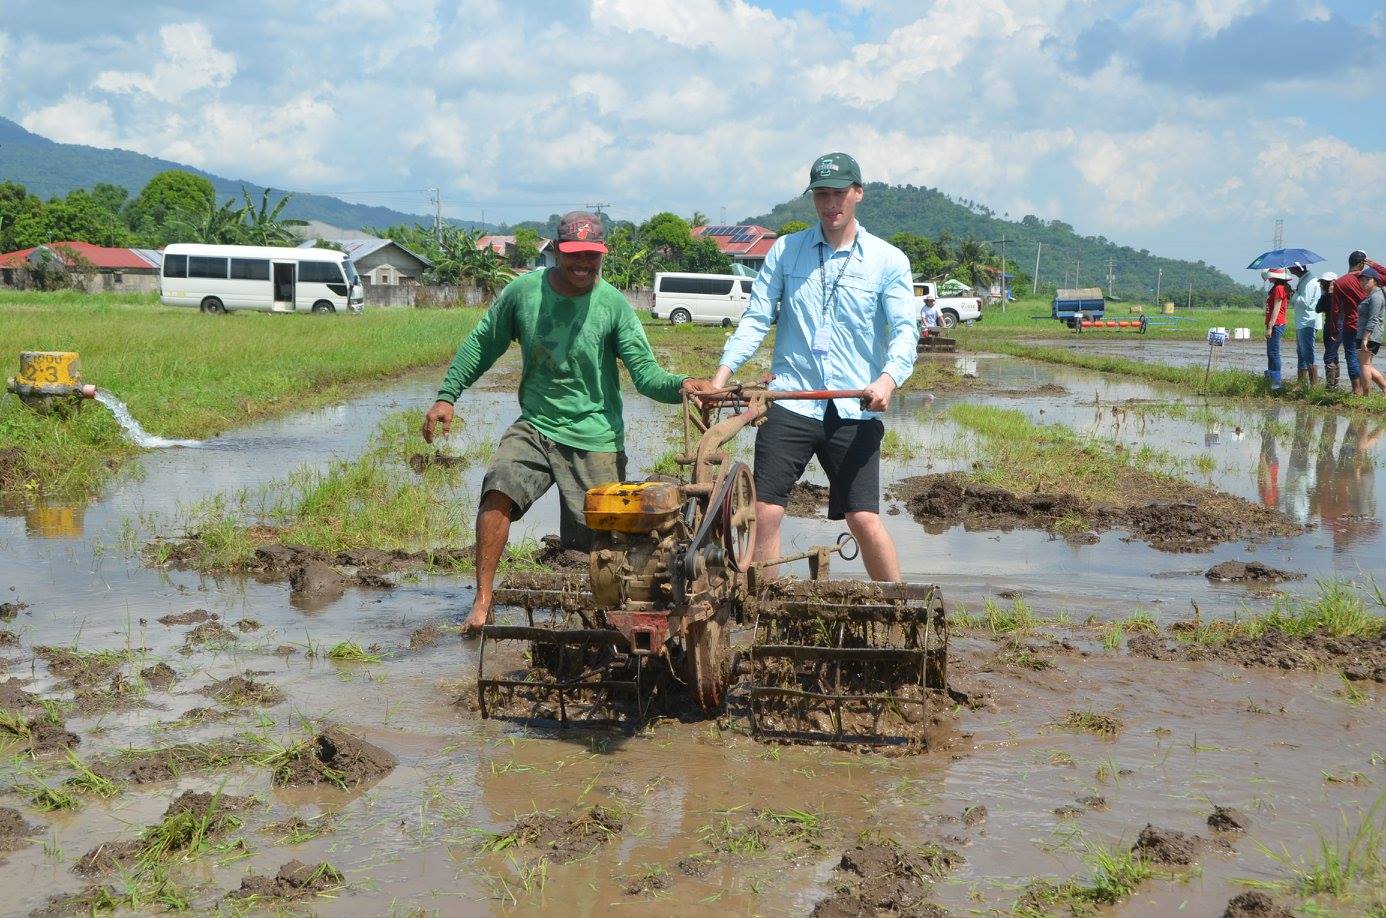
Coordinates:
(141,437)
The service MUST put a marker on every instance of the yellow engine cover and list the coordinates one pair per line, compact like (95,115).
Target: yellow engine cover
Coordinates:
(635,507)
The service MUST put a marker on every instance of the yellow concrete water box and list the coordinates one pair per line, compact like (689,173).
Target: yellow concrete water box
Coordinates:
(48,375)
(639,507)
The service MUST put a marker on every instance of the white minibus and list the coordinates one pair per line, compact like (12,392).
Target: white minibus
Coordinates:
(708,299)
(220,278)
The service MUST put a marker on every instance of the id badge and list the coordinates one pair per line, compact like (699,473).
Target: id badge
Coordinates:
(821,339)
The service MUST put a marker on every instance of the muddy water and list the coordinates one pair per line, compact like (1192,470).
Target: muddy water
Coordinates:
(1194,734)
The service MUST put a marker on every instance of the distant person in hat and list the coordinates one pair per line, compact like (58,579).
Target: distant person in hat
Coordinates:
(1371,313)
(842,304)
(572,326)
(1305,303)
(1342,322)
(1277,308)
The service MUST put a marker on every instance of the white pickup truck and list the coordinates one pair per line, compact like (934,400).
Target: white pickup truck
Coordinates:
(952,309)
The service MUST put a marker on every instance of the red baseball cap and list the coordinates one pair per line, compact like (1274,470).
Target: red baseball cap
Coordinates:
(580,231)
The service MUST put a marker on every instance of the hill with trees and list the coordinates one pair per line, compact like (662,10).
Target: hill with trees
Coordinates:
(49,169)
(938,227)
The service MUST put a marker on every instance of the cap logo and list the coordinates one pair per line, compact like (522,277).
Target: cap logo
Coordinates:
(583,229)
(827,167)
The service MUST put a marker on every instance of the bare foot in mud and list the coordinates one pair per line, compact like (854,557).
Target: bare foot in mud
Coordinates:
(482,614)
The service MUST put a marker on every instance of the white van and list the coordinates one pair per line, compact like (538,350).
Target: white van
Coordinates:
(708,299)
(219,278)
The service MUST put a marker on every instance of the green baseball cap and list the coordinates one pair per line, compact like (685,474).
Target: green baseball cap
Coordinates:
(834,170)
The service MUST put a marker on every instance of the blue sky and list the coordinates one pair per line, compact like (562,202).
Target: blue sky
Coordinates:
(1182,126)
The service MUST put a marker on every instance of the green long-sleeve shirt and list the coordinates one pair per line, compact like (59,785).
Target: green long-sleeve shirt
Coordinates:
(569,387)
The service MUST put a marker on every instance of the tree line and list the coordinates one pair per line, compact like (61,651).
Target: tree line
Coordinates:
(174,206)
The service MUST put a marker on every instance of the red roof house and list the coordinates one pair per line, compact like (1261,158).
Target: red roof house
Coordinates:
(746,243)
(84,254)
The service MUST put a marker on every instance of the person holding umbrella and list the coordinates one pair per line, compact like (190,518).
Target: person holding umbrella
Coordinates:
(1277,306)
(1305,303)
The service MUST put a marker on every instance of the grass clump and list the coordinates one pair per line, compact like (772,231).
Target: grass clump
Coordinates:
(86,781)
(46,798)
(1107,726)
(1336,610)
(1115,873)
(1348,870)
(351,652)
(998,619)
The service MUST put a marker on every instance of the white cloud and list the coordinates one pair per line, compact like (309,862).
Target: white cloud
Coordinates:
(724,25)
(189,62)
(74,119)
(939,41)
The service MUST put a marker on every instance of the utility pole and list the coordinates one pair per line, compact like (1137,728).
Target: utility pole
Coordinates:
(597,208)
(1034,281)
(723,219)
(1278,240)
(1003,272)
(1190,305)
(1159,276)
(1111,266)
(437,215)
(1078,263)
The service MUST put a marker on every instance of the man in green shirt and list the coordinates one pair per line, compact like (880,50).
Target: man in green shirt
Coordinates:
(571,326)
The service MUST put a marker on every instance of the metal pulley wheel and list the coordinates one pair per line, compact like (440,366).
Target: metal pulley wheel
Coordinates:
(739,516)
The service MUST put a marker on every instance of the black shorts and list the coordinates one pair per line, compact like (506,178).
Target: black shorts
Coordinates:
(1373,346)
(849,451)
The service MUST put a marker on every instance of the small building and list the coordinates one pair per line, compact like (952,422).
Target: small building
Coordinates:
(96,268)
(380,261)
(504,246)
(746,243)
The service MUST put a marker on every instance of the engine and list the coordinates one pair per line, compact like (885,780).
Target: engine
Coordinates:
(638,528)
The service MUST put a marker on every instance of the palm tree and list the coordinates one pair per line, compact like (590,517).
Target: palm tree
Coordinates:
(461,259)
(265,226)
(215,224)
(972,262)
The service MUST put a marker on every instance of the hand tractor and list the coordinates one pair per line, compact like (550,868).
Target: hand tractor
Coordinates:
(669,576)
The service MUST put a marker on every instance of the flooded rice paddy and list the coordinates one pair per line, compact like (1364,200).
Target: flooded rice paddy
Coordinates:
(697,818)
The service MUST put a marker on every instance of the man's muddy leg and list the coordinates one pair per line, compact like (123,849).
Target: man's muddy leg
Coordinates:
(768,520)
(877,547)
(492,532)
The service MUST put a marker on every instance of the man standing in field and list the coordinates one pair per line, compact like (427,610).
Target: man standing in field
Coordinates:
(571,326)
(1341,321)
(842,302)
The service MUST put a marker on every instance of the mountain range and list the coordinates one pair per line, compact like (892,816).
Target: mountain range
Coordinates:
(50,169)
(1066,258)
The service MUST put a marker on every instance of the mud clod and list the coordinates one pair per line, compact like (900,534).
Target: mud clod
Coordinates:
(974,815)
(295,880)
(243,690)
(333,757)
(211,813)
(1249,572)
(1364,655)
(147,766)
(77,668)
(697,866)
(1255,904)
(211,631)
(8,610)
(46,735)
(317,580)
(1093,802)
(15,832)
(93,900)
(1199,520)
(190,617)
(8,639)
(807,499)
(14,698)
(1226,819)
(427,636)
(885,878)
(563,839)
(1165,846)
(159,676)
(247,625)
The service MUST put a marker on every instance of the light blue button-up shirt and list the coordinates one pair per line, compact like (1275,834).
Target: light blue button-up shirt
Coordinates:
(1306,301)
(872,328)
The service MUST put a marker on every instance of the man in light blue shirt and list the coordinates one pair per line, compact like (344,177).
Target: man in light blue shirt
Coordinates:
(1304,305)
(842,303)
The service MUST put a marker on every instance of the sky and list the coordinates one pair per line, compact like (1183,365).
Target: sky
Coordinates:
(1183,126)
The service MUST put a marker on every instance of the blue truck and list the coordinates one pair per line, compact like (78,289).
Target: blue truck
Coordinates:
(1073,305)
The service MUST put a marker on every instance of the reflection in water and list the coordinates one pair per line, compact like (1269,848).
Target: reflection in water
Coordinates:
(54,521)
(1341,487)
